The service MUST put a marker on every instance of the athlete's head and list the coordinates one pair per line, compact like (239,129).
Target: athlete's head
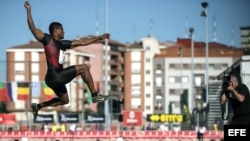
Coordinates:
(56,30)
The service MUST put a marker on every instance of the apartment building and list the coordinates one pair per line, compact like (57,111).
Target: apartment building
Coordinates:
(245,36)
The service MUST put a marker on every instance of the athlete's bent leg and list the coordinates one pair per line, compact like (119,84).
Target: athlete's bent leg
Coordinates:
(62,100)
(84,71)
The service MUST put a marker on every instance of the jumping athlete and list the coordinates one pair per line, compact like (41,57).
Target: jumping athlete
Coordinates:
(57,76)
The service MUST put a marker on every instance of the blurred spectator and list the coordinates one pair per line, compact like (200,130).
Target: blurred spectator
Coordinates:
(78,128)
(72,127)
(215,126)
(63,127)
(149,127)
(54,127)
(200,132)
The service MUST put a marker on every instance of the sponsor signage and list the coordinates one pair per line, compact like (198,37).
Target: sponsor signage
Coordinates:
(44,119)
(164,118)
(68,117)
(7,119)
(132,118)
(95,118)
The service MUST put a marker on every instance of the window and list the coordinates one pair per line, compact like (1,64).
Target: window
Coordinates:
(135,103)
(136,56)
(147,60)
(136,79)
(198,80)
(158,82)
(19,77)
(158,69)
(186,66)
(19,67)
(171,79)
(211,66)
(147,83)
(159,91)
(147,48)
(172,66)
(34,56)
(34,78)
(198,66)
(136,67)
(224,66)
(184,79)
(19,56)
(136,91)
(147,71)
(158,97)
(34,67)
(148,107)
(147,95)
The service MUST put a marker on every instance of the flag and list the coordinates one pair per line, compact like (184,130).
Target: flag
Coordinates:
(35,89)
(89,96)
(3,93)
(23,91)
(96,84)
(48,92)
(6,92)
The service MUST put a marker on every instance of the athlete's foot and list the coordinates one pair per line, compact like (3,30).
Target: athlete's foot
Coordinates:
(100,98)
(34,109)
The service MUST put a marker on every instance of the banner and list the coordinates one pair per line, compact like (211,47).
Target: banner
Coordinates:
(7,119)
(68,117)
(44,119)
(164,118)
(132,118)
(95,118)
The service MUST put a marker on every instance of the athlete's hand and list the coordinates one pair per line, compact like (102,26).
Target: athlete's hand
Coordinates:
(27,5)
(104,36)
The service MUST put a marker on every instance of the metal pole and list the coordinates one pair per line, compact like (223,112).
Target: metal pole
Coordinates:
(107,116)
(207,75)
(192,67)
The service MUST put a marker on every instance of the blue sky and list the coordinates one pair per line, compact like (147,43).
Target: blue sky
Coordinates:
(128,20)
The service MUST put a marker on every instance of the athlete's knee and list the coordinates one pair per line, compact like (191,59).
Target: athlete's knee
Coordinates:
(64,99)
(85,67)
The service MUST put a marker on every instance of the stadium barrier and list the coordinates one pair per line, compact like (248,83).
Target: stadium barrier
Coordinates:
(177,135)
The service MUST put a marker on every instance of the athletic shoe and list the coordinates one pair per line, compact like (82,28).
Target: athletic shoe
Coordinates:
(34,109)
(100,98)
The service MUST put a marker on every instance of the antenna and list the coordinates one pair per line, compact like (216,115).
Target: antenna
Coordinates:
(134,28)
(186,28)
(232,36)
(151,22)
(214,29)
(96,22)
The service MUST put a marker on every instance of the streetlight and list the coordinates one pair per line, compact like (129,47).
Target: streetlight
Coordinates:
(191,32)
(204,14)
(107,115)
(180,55)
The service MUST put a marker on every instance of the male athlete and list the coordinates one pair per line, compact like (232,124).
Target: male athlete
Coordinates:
(57,76)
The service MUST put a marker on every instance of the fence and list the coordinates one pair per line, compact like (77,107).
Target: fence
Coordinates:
(108,136)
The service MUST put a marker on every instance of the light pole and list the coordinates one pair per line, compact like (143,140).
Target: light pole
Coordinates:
(180,55)
(191,31)
(204,14)
(107,115)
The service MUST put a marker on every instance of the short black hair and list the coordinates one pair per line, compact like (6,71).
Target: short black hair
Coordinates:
(53,26)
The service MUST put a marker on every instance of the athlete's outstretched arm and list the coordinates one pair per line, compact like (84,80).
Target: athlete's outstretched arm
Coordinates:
(35,31)
(87,41)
